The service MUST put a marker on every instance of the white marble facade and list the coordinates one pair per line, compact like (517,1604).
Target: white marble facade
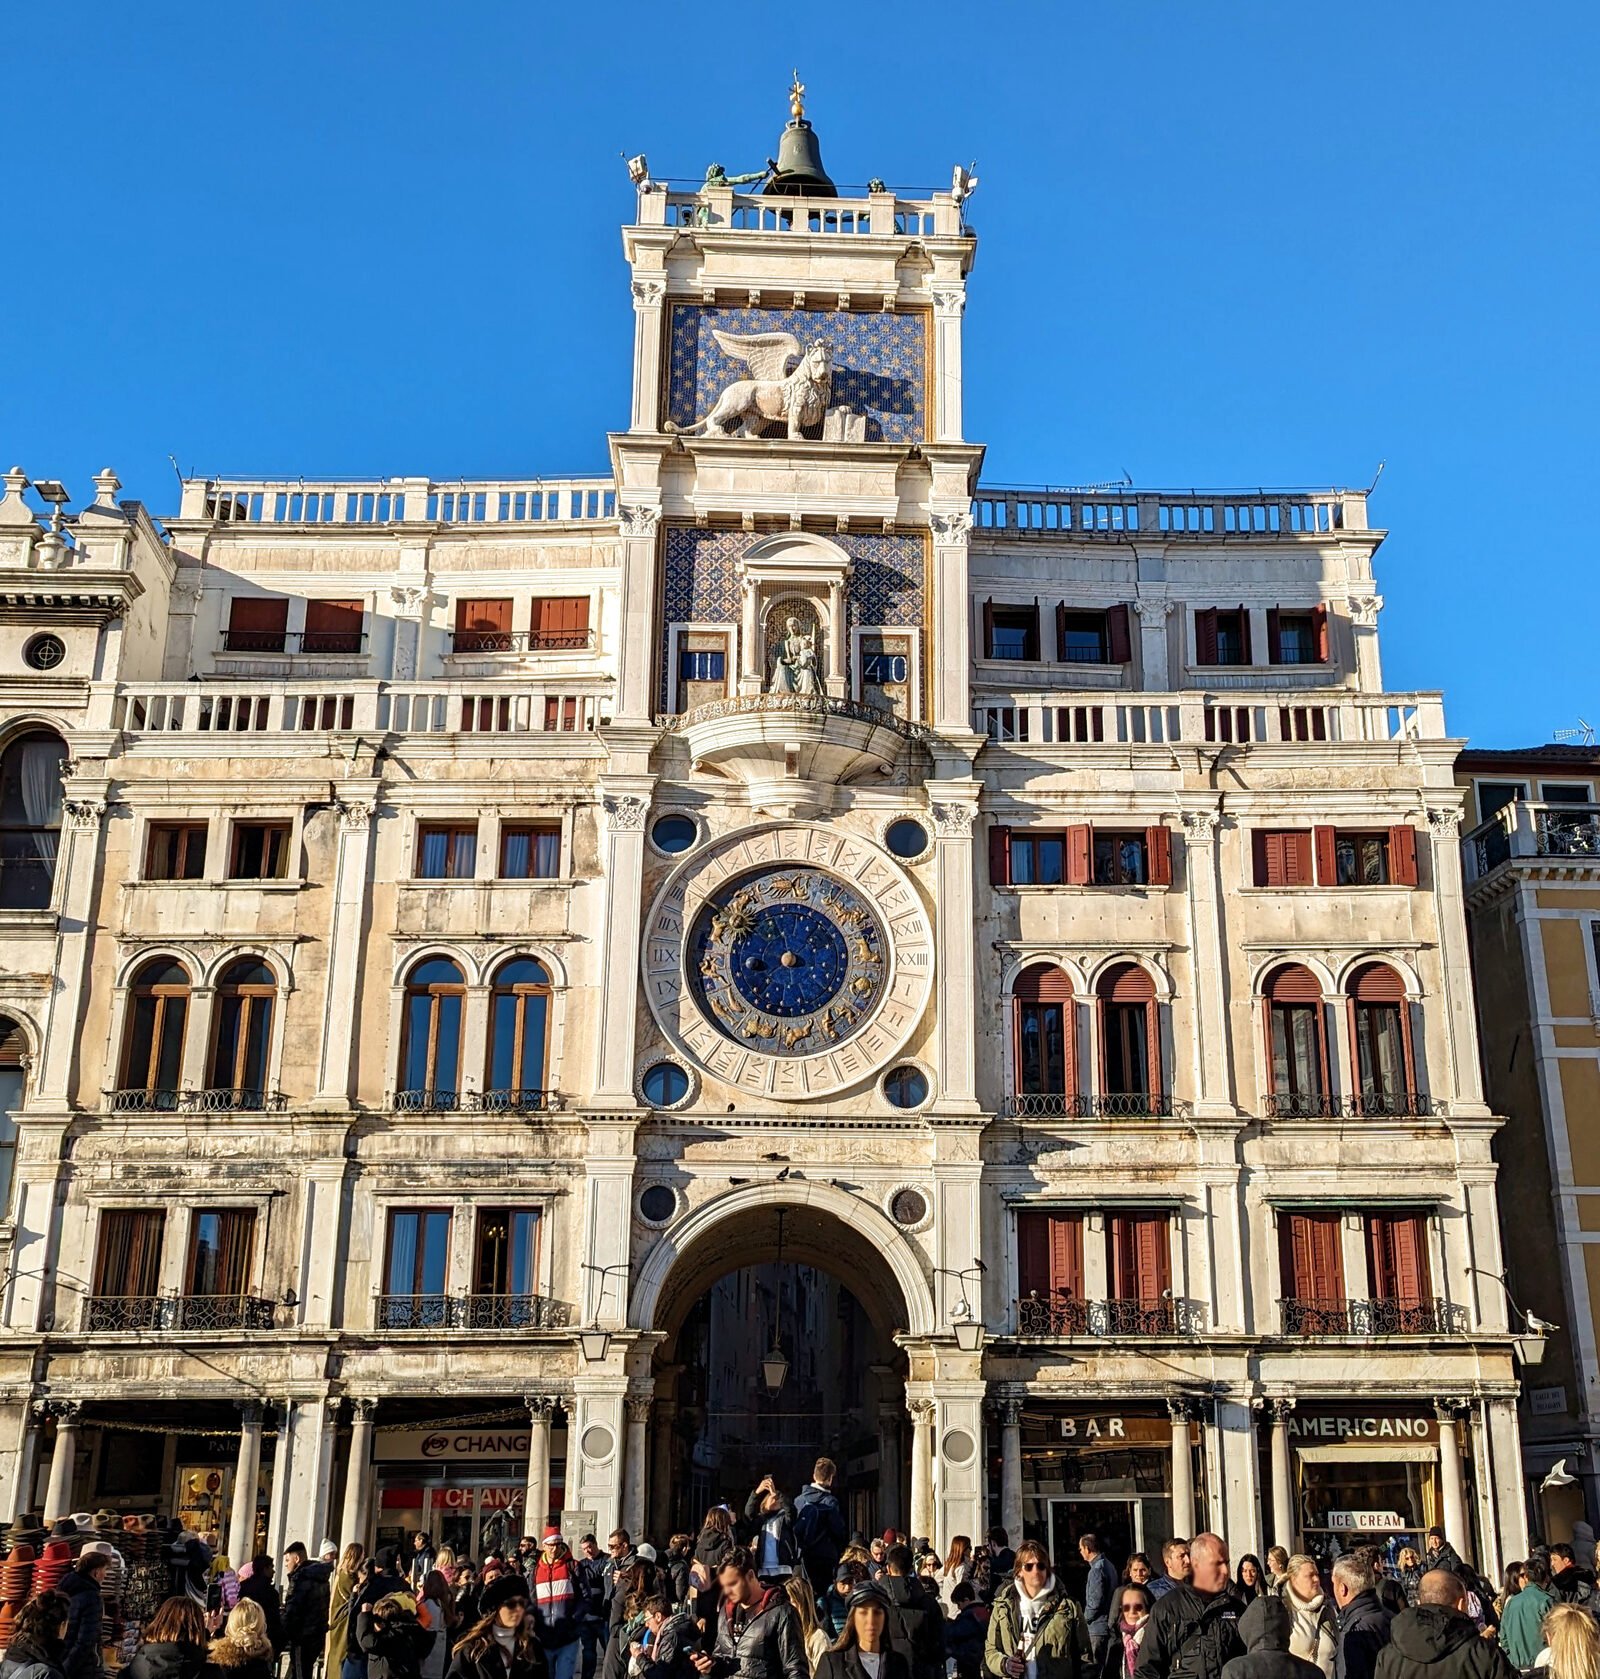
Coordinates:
(442,737)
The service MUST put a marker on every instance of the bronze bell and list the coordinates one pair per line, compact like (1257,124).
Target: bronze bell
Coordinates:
(800,173)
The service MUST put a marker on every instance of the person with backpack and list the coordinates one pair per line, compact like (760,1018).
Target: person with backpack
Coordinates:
(819,1525)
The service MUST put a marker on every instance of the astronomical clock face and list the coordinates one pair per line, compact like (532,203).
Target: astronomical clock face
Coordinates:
(791,962)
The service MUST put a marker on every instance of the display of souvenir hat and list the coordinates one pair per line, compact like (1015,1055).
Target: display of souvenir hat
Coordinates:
(8,1616)
(83,1521)
(64,1528)
(107,1518)
(16,1577)
(26,1530)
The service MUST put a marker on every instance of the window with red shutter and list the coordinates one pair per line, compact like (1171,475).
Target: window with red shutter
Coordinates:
(999,855)
(332,626)
(1119,636)
(560,624)
(1282,857)
(1397,1271)
(257,624)
(1319,633)
(1313,1272)
(482,626)
(1205,636)
(1050,1273)
(1403,855)
(1078,849)
(1323,844)
(1158,850)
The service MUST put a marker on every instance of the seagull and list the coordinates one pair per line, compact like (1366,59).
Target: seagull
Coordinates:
(1537,1325)
(1558,1477)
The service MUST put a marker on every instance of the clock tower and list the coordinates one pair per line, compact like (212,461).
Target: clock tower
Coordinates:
(789,791)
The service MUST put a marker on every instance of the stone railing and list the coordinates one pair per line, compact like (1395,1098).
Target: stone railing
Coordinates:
(880,214)
(1531,831)
(396,501)
(1097,717)
(1202,514)
(791,705)
(362,706)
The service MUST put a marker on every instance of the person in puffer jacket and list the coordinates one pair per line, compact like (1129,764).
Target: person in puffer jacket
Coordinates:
(80,1586)
(1436,1640)
(553,1579)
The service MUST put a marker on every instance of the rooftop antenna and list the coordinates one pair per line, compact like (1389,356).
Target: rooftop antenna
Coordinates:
(1583,735)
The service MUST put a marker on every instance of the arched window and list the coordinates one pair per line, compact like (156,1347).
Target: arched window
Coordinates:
(519,1035)
(1130,1042)
(430,1052)
(152,1048)
(1042,1040)
(1380,1042)
(30,818)
(242,1036)
(13,1047)
(1297,1043)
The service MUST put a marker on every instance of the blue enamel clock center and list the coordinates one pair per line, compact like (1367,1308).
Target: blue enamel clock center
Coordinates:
(788,960)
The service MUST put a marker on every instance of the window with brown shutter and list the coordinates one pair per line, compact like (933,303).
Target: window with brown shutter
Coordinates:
(999,854)
(1050,1273)
(1397,1261)
(560,624)
(1079,867)
(332,626)
(1313,1271)
(1139,1249)
(1282,857)
(1403,855)
(1158,852)
(1205,636)
(257,624)
(482,626)
(1119,636)
(1222,636)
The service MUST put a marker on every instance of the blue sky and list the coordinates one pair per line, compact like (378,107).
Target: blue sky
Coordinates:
(1221,245)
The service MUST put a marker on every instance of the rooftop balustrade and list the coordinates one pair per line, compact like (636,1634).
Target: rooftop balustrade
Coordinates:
(397,501)
(1200,514)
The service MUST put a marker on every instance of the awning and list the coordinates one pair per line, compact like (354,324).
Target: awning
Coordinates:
(1368,1451)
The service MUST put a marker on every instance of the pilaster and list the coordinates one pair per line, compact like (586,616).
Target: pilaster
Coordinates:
(357,804)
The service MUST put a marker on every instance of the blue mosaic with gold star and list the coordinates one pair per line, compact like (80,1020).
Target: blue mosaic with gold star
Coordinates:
(880,362)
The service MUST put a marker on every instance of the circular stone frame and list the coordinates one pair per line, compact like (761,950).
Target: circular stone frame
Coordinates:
(922,1195)
(856,863)
(922,821)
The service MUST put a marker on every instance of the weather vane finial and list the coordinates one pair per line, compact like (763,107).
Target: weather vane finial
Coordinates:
(797,98)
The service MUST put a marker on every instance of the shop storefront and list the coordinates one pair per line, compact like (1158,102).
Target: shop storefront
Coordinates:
(1364,1476)
(1106,1471)
(464,1486)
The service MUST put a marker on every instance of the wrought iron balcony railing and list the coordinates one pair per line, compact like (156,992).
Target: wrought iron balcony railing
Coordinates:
(116,1313)
(1372,1317)
(120,1312)
(294,641)
(521,641)
(471,1311)
(1300,1104)
(1037,1317)
(1122,1104)
(1362,1104)
(225,1311)
(474,1101)
(222,1100)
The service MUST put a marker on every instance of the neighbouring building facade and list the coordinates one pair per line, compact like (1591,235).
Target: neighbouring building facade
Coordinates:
(447,930)
(1532,860)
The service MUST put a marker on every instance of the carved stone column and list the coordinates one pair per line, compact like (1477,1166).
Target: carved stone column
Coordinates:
(1155,663)
(1210,1047)
(1277,1413)
(536,1507)
(246,1475)
(1452,1484)
(358,1473)
(949,704)
(1182,1412)
(64,1457)
(411,604)
(622,845)
(1364,610)
(649,311)
(638,1407)
(949,304)
(889,1466)
(953,864)
(1455,961)
(335,1070)
(921,1468)
(1009,1411)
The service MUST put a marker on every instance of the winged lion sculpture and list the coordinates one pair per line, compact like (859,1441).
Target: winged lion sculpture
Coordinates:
(787,383)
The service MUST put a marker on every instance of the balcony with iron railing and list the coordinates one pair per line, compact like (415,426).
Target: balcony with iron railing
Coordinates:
(310,643)
(1525,831)
(482,643)
(471,1311)
(1362,1104)
(1042,1318)
(475,1101)
(193,1313)
(1364,1319)
(221,1100)
(1117,1104)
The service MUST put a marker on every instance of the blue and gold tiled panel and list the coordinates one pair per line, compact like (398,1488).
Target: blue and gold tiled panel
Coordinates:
(700,584)
(880,362)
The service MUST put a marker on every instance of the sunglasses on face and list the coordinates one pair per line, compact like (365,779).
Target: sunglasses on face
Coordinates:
(516,1603)
(1033,1568)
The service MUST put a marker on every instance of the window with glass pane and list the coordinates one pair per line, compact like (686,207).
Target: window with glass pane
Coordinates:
(1297,639)
(175,851)
(1041,1049)
(416,1270)
(531,851)
(13,1045)
(260,851)
(1362,859)
(1380,1049)
(1296,1052)
(1120,860)
(221,1241)
(128,1260)
(519,1018)
(1038,859)
(703,665)
(430,1059)
(30,819)
(243,1033)
(1127,1049)
(447,851)
(152,1054)
(1083,638)
(1231,638)
(508,1251)
(1013,633)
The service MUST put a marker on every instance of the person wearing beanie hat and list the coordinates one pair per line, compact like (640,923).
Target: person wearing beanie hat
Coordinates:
(554,1580)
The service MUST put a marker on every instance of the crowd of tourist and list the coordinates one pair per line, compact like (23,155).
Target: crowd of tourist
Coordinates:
(782,1590)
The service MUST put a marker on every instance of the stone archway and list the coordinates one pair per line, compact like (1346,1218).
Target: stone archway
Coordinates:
(849,1291)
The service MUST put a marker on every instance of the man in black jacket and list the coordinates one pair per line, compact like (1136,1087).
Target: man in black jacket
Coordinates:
(1569,1582)
(1193,1631)
(384,1579)
(758,1634)
(80,1585)
(1437,1641)
(1363,1620)
(1265,1627)
(305,1609)
(916,1620)
(819,1525)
